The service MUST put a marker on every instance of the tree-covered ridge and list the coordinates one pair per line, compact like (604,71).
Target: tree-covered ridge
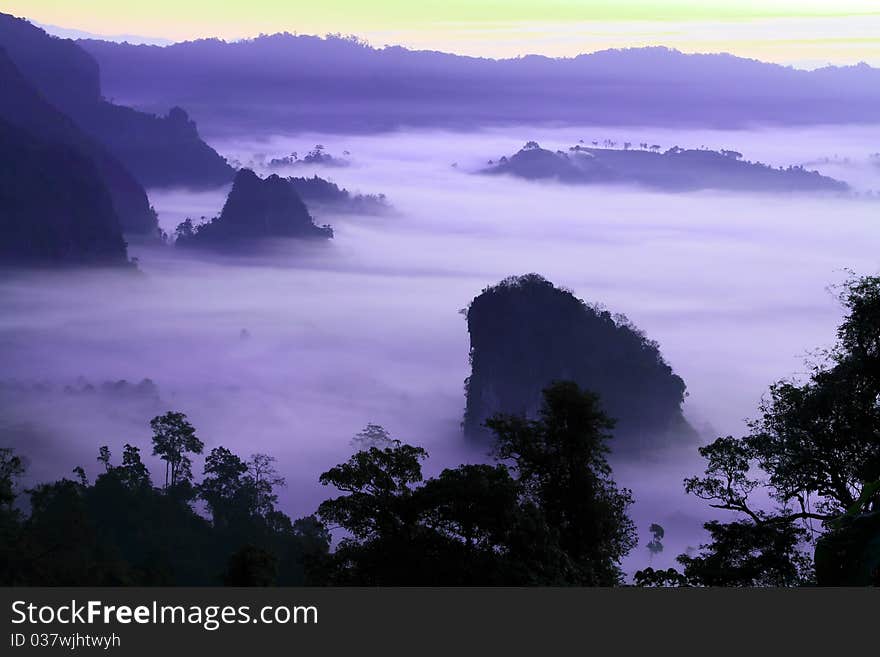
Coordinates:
(122,529)
(256,209)
(321,193)
(318,156)
(675,169)
(348,86)
(526,333)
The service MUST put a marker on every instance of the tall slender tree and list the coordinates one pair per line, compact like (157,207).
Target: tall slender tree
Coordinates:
(174,439)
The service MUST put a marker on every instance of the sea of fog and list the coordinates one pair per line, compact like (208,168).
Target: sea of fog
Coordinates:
(292,353)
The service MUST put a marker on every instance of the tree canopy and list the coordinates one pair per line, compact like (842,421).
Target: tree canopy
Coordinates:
(814,453)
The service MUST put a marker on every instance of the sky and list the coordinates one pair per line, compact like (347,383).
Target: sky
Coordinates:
(803,33)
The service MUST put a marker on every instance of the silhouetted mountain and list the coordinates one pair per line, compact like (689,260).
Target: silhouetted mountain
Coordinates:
(525,333)
(344,85)
(22,106)
(158,150)
(321,193)
(676,169)
(54,207)
(255,209)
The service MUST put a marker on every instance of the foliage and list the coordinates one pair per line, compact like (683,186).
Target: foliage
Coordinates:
(122,530)
(659,578)
(174,438)
(372,435)
(655,545)
(560,520)
(814,452)
(746,553)
(560,462)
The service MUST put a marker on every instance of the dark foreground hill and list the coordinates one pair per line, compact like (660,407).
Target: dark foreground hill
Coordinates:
(676,169)
(256,209)
(526,333)
(157,150)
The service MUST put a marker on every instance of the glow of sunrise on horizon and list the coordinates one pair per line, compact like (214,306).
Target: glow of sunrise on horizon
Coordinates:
(805,33)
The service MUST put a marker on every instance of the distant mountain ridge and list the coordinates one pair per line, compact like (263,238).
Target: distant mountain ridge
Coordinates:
(336,83)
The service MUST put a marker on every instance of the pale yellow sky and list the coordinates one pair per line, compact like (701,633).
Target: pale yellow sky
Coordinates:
(801,32)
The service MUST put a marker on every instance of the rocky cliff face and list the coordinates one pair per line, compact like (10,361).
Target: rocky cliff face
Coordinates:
(526,333)
(256,209)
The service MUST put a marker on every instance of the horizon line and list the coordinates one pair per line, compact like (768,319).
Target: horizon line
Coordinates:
(76,34)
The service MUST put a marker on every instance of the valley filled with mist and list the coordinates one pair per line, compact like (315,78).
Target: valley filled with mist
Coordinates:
(294,350)
(375,316)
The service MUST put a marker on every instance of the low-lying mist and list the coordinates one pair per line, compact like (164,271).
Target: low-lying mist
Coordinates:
(293,352)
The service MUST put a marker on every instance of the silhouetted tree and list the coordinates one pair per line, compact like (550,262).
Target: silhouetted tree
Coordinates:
(814,451)
(659,578)
(560,460)
(265,479)
(373,435)
(377,512)
(655,545)
(745,553)
(222,486)
(174,438)
(11,468)
(251,566)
